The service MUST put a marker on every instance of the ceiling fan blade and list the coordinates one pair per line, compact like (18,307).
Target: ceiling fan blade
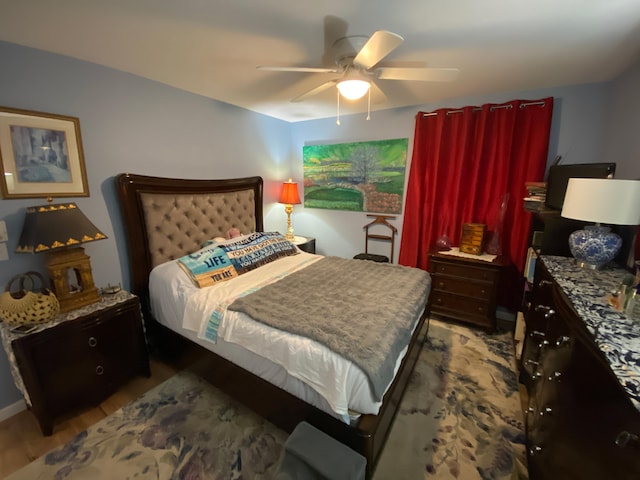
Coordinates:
(377,95)
(314,91)
(379,45)
(425,74)
(298,69)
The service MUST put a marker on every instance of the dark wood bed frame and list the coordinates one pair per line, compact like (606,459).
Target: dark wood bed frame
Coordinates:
(276,405)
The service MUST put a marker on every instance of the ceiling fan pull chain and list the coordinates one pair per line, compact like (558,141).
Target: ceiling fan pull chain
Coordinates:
(338,114)
(369,106)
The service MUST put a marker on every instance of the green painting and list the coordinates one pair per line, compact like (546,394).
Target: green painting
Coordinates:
(358,176)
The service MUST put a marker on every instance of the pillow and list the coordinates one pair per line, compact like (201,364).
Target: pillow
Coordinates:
(221,262)
(222,240)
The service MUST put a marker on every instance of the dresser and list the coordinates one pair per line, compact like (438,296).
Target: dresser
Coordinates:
(78,359)
(581,366)
(464,288)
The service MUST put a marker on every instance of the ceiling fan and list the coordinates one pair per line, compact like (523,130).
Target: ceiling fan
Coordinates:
(357,60)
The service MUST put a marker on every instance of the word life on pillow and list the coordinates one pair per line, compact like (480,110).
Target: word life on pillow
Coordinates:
(222,262)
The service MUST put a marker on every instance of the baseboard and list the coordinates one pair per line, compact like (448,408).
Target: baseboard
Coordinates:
(11,410)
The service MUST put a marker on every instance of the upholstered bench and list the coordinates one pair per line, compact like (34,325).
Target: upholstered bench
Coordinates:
(313,455)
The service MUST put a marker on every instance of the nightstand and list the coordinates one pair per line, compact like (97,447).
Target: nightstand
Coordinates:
(465,289)
(306,244)
(80,358)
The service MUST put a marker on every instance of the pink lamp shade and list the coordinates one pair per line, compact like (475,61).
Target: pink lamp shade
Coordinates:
(289,194)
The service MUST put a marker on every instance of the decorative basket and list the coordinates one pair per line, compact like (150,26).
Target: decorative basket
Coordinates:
(28,306)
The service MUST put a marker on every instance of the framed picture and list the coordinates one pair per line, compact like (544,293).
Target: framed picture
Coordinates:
(41,155)
(357,176)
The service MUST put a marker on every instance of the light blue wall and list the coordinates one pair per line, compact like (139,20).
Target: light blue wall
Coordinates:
(623,126)
(130,124)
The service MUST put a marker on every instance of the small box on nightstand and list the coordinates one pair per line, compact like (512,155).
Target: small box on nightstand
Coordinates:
(472,238)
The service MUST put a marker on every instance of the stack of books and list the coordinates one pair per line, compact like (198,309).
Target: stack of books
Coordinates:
(536,196)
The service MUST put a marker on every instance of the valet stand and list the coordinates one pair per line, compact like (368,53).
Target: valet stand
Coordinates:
(378,220)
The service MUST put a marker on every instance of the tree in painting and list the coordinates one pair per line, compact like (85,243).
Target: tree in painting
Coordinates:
(360,176)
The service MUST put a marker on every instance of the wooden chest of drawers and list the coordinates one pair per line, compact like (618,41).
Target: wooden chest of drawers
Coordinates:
(581,422)
(465,289)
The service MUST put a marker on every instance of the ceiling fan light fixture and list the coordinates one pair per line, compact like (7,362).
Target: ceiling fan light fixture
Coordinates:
(353,89)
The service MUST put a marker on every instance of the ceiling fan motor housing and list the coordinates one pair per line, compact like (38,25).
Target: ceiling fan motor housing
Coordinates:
(346,48)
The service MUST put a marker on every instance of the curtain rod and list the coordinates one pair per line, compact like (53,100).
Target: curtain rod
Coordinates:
(477,109)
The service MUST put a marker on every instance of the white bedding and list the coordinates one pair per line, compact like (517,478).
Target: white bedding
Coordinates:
(178,304)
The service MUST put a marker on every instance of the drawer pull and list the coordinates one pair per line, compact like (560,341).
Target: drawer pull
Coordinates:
(555,377)
(546,411)
(535,450)
(548,311)
(439,301)
(537,333)
(93,341)
(544,283)
(483,292)
(532,362)
(99,370)
(441,284)
(626,439)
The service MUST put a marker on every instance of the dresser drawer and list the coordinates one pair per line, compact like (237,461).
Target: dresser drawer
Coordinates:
(450,303)
(480,290)
(469,272)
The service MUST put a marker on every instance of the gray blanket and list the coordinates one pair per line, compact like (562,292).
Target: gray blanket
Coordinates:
(361,310)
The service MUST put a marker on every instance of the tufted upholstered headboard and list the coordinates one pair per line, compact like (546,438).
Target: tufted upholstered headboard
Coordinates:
(166,218)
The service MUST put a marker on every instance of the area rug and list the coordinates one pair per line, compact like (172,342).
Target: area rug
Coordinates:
(460,418)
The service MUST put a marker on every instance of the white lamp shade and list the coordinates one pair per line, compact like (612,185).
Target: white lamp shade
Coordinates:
(353,89)
(603,200)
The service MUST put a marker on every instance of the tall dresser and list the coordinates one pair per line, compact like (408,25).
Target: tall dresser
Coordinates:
(581,366)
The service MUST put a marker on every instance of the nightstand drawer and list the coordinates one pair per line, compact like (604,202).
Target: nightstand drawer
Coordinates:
(488,274)
(480,290)
(449,303)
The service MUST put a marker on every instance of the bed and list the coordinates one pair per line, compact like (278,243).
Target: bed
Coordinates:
(166,219)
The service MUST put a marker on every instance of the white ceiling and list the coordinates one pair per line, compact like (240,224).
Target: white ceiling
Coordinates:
(212,47)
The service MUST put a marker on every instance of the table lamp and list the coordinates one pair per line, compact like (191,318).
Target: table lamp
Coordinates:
(58,231)
(600,200)
(290,197)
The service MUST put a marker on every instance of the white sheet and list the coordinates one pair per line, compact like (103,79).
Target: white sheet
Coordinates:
(173,296)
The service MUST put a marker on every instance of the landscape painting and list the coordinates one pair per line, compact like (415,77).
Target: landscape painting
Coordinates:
(357,176)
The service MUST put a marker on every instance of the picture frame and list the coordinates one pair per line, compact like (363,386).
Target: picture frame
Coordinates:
(41,155)
(364,176)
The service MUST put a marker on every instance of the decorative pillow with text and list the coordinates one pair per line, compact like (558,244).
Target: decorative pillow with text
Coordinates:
(222,262)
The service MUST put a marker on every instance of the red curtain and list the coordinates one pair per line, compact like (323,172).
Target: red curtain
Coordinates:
(465,162)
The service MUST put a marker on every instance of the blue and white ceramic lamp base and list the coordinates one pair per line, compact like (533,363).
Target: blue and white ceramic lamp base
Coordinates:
(595,246)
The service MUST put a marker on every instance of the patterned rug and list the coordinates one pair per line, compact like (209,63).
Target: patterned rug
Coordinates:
(460,418)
